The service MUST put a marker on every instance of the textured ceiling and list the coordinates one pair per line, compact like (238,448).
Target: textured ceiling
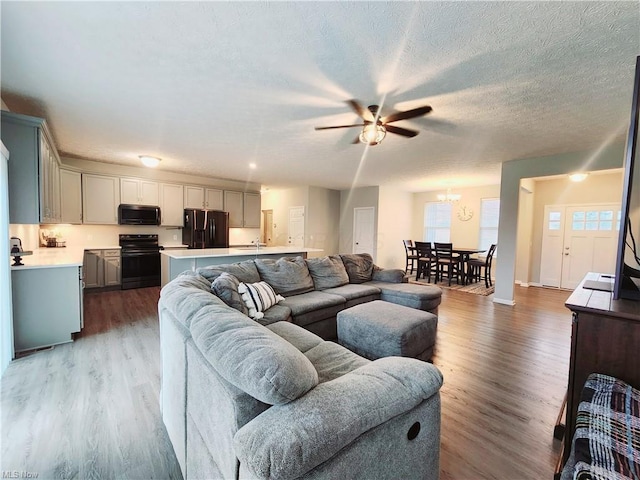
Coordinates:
(212,87)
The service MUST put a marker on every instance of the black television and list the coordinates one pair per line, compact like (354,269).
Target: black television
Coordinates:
(627,275)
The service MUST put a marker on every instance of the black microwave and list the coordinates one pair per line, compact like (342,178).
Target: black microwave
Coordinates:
(138,215)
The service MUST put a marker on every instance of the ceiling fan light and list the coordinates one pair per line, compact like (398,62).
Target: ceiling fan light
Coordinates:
(373,134)
(578,176)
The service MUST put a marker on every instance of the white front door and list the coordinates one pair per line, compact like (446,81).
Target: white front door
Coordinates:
(363,230)
(296,227)
(590,242)
(578,239)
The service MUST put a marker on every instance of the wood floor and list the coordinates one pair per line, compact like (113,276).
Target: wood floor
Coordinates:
(89,409)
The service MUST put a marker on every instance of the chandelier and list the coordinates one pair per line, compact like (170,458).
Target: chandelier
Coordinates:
(449,197)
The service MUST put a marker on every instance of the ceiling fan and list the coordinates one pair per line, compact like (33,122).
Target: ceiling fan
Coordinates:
(375,127)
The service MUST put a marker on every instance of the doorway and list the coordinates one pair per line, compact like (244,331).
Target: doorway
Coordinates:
(578,239)
(296,227)
(363,230)
(267,227)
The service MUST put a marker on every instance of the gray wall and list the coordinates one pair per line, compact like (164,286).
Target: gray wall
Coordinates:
(610,156)
(323,220)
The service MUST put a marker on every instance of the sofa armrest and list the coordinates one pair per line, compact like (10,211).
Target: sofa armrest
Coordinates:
(390,275)
(288,440)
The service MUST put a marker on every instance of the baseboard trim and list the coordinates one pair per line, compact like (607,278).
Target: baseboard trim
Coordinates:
(504,301)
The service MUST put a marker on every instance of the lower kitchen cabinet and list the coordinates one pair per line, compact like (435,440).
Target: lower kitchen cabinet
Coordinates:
(47,306)
(102,268)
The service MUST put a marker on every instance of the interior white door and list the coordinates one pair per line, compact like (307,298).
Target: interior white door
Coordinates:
(590,242)
(267,229)
(552,243)
(296,226)
(363,229)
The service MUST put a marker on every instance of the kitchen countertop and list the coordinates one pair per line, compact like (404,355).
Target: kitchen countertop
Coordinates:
(51,258)
(234,252)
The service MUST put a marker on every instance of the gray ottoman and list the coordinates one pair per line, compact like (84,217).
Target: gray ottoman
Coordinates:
(381,329)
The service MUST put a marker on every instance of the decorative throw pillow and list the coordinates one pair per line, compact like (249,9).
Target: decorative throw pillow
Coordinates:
(327,272)
(288,275)
(258,297)
(225,287)
(244,271)
(359,267)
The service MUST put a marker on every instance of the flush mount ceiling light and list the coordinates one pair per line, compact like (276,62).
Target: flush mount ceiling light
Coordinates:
(449,197)
(148,161)
(578,177)
(373,134)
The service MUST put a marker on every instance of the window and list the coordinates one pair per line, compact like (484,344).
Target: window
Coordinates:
(437,222)
(489,216)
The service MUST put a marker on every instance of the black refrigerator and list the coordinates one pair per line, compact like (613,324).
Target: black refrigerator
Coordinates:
(205,228)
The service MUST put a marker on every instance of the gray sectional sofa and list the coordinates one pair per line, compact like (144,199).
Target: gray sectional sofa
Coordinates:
(241,399)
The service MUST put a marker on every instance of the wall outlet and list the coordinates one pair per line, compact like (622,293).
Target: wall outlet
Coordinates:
(175,237)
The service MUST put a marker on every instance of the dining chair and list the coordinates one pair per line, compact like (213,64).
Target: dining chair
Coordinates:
(426,261)
(447,262)
(410,252)
(477,264)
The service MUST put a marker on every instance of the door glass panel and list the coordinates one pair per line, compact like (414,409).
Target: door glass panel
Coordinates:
(607,225)
(554,225)
(592,216)
(578,216)
(577,226)
(618,221)
(606,215)
(554,216)
(592,225)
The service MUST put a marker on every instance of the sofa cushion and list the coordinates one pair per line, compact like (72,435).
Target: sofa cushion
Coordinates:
(288,276)
(258,297)
(354,291)
(186,294)
(421,297)
(244,271)
(277,313)
(332,361)
(391,275)
(313,306)
(250,356)
(226,288)
(300,338)
(359,267)
(327,272)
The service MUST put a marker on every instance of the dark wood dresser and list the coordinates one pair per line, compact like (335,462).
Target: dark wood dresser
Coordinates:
(605,338)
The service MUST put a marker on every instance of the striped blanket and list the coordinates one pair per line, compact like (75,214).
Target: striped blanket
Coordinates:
(607,435)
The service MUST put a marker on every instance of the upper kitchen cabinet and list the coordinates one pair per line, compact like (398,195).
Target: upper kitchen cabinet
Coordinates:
(171,205)
(251,210)
(202,197)
(70,196)
(134,191)
(243,208)
(100,199)
(34,170)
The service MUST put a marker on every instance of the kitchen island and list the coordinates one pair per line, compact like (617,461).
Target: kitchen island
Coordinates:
(47,298)
(174,262)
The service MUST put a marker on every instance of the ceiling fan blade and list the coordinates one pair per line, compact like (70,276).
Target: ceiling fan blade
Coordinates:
(414,112)
(341,126)
(359,109)
(405,132)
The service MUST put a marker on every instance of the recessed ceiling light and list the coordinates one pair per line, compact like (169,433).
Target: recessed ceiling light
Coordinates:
(578,177)
(252,166)
(149,161)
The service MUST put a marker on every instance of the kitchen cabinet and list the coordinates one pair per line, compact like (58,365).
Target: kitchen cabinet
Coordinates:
(100,199)
(135,191)
(70,196)
(202,197)
(34,168)
(102,268)
(50,314)
(251,210)
(234,205)
(243,208)
(171,205)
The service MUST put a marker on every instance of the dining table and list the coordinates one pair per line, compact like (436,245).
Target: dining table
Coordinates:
(464,254)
